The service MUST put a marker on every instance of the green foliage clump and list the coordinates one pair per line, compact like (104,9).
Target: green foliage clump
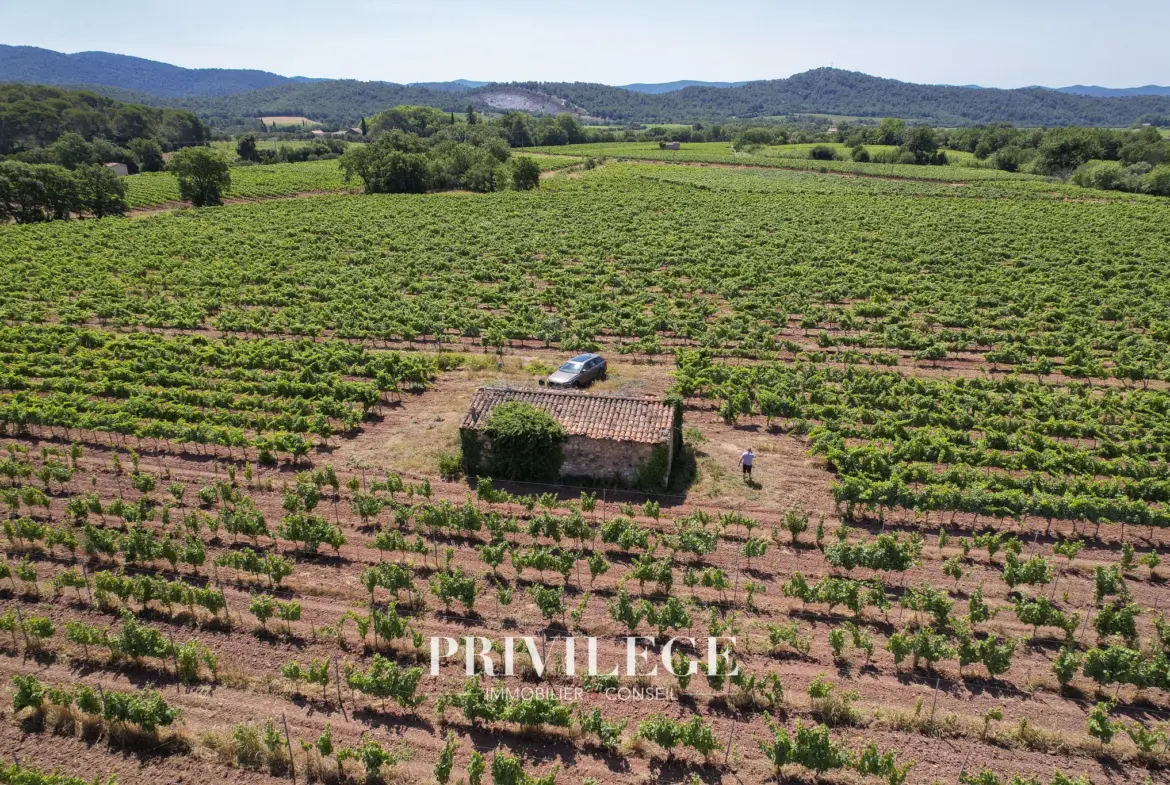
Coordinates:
(526,442)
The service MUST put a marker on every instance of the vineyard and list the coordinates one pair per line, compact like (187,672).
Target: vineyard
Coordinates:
(272,180)
(248,182)
(605,260)
(947,569)
(1003,449)
(794,156)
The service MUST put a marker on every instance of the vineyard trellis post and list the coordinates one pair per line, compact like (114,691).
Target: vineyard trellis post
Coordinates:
(292,767)
(337,681)
(23,631)
(88,587)
(226,610)
(175,658)
(735,589)
(934,700)
(963,768)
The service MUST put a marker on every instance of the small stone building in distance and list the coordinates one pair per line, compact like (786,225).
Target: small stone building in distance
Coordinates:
(627,441)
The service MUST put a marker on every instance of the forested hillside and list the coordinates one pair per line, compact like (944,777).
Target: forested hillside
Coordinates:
(35,116)
(833,91)
(33,65)
(343,101)
(824,90)
(232,98)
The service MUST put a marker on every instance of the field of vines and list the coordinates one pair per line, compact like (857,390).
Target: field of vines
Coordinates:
(1004,449)
(307,595)
(248,182)
(630,255)
(793,156)
(274,395)
(265,181)
(200,581)
(548,163)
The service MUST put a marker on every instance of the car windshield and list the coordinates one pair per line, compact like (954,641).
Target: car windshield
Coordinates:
(571,367)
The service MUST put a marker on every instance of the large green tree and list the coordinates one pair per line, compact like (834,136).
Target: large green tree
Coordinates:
(246,148)
(34,193)
(1064,149)
(922,143)
(203,176)
(71,151)
(100,191)
(393,164)
(148,154)
(525,173)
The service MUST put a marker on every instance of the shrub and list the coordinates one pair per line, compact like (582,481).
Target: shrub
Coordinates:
(1157,181)
(452,585)
(446,760)
(475,768)
(30,693)
(790,634)
(811,748)
(831,706)
(668,734)
(507,770)
(608,733)
(921,645)
(653,473)
(451,465)
(527,442)
(146,709)
(385,679)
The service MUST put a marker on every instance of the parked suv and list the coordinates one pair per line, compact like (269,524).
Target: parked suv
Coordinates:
(579,371)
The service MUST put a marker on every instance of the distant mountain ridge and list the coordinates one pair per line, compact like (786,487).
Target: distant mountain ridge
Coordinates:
(1114,92)
(454,86)
(655,88)
(233,97)
(30,64)
(833,91)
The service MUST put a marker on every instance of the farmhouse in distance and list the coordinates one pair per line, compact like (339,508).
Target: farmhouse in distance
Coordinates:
(624,440)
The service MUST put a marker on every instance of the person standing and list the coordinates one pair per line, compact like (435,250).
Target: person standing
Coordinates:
(746,460)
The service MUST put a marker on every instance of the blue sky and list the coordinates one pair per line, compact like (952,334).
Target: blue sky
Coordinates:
(992,43)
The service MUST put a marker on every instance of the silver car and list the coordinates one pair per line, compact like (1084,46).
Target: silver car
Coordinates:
(579,371)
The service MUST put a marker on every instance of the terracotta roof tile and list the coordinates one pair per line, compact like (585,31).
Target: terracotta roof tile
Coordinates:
(611,417)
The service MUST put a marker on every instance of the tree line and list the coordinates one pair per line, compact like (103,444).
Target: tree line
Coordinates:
(35,193)
(32,117)
(418,149)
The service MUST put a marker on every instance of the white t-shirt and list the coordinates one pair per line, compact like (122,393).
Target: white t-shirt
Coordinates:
(747,458)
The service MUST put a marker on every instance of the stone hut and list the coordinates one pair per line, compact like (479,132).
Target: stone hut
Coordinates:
(627,441)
